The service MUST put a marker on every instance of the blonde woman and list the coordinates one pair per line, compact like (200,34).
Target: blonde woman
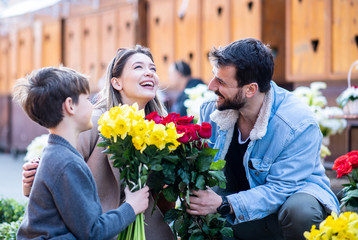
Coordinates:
(131,77)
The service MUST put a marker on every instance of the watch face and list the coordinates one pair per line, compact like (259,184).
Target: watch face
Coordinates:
(225,209)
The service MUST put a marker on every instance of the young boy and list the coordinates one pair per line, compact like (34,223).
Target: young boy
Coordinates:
(63,202)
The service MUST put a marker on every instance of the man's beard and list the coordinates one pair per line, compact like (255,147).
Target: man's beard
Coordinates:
(236,103)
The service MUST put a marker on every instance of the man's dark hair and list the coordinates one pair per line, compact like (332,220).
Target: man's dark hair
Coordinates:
(183,68)
(251,58)
(42,93)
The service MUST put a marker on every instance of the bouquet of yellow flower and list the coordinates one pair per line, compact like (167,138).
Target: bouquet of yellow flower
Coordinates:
(137,147)
(343,227)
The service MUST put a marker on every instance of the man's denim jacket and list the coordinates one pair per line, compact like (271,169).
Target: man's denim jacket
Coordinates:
(282,158)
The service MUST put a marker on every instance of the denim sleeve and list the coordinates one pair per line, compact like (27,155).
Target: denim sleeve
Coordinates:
(288,173)
(76,200)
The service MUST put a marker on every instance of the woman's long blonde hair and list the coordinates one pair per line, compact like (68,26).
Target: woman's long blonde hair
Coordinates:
(109,97)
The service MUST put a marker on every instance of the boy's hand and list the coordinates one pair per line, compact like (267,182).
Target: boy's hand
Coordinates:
(28,175)
(138,200)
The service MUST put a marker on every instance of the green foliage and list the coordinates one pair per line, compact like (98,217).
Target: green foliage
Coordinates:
(195,170)
(11,214)
(8,230)
(10,210)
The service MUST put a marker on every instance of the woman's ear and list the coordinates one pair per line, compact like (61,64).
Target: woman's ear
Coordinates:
(68,107)
(116,83)
(252,89)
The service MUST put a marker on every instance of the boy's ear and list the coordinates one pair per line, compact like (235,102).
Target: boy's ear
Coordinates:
(116,83)
(68,106)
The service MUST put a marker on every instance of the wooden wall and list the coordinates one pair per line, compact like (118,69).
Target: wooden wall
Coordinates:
(310,41)
(190,33)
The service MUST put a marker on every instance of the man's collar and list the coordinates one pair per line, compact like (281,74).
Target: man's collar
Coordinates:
(226,119)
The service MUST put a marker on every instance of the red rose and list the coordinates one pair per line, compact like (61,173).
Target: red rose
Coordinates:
(155,117)
(205,130)
(342,165)
(172,117)
(192,132)
(185,138)
(353,158)
(185,120)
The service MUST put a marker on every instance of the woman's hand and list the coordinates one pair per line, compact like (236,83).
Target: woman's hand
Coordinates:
(28,175)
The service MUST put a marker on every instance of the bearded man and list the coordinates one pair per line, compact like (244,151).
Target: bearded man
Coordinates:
(276,184)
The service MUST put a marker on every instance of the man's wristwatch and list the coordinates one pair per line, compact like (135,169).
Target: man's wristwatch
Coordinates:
(224,209)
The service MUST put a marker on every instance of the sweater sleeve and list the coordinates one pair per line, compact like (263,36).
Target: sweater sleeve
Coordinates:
(76,199)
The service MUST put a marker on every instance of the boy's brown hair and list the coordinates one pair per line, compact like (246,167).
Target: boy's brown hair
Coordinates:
(42,93)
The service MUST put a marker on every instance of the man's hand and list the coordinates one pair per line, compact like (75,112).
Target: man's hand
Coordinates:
(204,202)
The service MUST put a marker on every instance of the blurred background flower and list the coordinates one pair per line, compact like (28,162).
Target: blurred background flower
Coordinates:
(34,150)
(197,95)
(318,103)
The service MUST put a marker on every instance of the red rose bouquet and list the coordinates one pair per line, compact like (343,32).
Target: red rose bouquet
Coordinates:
(347,165)
(190,167)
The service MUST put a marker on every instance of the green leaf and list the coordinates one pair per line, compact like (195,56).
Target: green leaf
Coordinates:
(184,176)
(171,215)
(203,164)
(171,194)
(172,158)
(157,167)
(218,165)
(102,144)
(200,182)
(227,232)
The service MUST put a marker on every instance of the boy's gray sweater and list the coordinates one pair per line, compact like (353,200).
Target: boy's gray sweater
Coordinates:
(64,203)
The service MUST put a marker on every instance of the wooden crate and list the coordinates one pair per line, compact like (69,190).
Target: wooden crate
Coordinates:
(187,34)
(161,36)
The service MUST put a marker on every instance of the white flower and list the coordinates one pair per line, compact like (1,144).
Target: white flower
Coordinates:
(350,93)
(197,95)
(34,150)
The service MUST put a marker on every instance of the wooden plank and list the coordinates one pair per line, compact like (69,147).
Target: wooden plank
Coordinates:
(51,44)
(25,56)
(273,34)
(108,39)
(161,36)
(246,19)
(187,35)
(308,39)
(90,54)
(344,35)
(126,26)
(73,43)
(4,66)
(13,48)
(215,32)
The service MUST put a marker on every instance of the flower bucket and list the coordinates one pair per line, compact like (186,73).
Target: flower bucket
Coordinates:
(349,98)
(351,107)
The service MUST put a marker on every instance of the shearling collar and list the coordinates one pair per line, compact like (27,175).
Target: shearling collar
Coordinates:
(226,119)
